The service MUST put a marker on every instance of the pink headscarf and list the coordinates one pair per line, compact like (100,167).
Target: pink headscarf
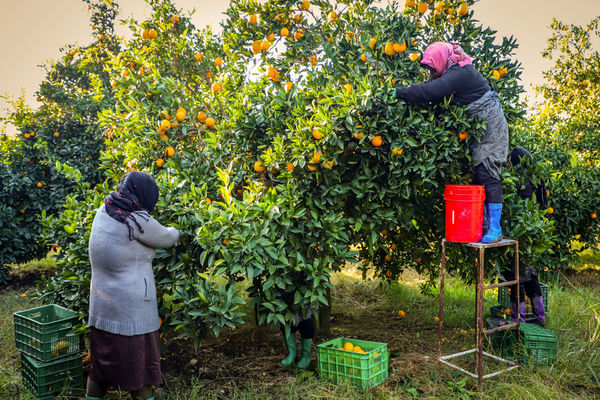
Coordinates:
(441,55)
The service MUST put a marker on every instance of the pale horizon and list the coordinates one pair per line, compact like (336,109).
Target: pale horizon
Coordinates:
(28,43)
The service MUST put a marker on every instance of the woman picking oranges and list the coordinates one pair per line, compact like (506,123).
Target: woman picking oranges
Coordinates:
(123,315)
(453,75)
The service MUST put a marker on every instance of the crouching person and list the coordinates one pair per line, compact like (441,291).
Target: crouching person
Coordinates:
(123,313)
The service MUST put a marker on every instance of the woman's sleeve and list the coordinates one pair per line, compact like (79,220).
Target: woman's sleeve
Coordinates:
(434,90)
(154,235)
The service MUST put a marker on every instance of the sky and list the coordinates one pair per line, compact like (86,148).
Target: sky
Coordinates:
(28,40)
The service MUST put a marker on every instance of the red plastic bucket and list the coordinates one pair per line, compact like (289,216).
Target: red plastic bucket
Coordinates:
(464,212)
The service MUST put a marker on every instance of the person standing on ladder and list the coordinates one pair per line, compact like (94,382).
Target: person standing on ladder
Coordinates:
(520,160)
(452,74)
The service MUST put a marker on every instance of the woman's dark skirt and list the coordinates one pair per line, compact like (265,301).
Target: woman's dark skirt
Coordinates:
(124,362)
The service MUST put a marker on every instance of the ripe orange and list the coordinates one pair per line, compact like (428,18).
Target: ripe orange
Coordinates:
(508,311)
(332,16)
(175,19)
(299,35)
(216,88)
(388,258)
(271,37)
(436,319)
(594,216)
(311,167)
(180,114)
(264,45)
(359,135)
(372,43)
(388,273)
(218,61)
(259,166)
(256,46)
(208,200)
(389,49)
(199,57)
(550,210)
(413,56)
(165,124)
(422,7)
(160,162)
(377,141)
(410,3)
(145,34)
(152,34)
(169,151)
(316,134)
(328,164)
(316,158)
(348,346)
(252,19)
(363,58)
(39,184)
(495,75)
(418,260)
(463,9)
(201,116)
(314,60)
(23,295)
(305,5)
(401,314)
(348,88)
(400,48)
(358,349)
(22,210)
(288,86)
(290,167)
(284,31)
(462,135)
(57,134)
(394,247)
(210,122)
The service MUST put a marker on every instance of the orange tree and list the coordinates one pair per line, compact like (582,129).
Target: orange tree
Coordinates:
(279,148)
(55,143)
(566,133)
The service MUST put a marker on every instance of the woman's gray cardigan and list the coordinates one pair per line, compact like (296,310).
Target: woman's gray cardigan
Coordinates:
(122,292)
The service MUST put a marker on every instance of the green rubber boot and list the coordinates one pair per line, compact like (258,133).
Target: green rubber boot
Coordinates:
(290,345)
(305,350)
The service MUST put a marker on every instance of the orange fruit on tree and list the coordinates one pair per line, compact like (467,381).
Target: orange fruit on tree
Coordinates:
(372,43)
(288,86)
(23,295)
(388,273)
(252,19)
(210,122)
(332,16)
(259,166)
(160,162)
(348,88)
(264,45)
(413,56)
(316,158)
(401,314)
(314,60)
(39,184)
(169,151)
(57,134)
(284,31)
(311,167)
(418,260)
(22,211)
(316,134)
(507,311)
(388,258)
(180,114)
(165,124)
(218,61)
(201,116)
(463,9)
(594,216)
(394,247)
(145,34)
(216,88)
(256,46)
(463,135)
(495,75)
(363,58)
(199,57)
(175,19)
(328,164)
(305,5)
(152,34)
(400,48)
(422,7)
(377,141)
(550,210)
(299,35)
(389,49)
(271,37)
(436,319)
(410,3)
(290,167)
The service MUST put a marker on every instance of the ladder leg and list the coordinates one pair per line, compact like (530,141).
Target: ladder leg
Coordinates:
(479,315)
(441,313)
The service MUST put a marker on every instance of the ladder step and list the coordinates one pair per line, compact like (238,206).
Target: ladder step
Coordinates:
(500,328)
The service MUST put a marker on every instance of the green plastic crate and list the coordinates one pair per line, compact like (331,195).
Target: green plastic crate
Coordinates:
(45,380)
(44,333)
(539,345)
(496,340)
(365,370)
(497,311)
(504,299)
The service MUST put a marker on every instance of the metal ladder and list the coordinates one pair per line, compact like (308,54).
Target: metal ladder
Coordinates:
(479,330)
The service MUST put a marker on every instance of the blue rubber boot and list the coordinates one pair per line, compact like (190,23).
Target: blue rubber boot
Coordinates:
(494,232)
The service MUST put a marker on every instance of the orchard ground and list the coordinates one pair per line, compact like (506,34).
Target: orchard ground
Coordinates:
(244,363)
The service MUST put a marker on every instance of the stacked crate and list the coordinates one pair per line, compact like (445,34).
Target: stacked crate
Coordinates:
(50,352)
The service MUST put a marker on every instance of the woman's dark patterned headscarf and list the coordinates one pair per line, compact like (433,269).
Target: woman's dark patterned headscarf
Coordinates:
(137,191)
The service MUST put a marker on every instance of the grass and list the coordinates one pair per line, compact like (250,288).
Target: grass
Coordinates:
(243,363)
